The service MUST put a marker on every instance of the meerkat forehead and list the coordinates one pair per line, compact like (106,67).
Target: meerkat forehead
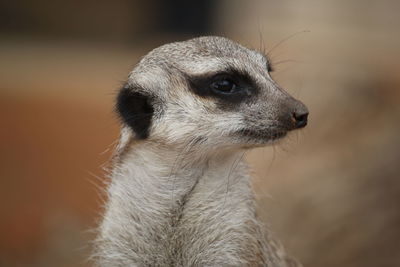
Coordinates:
(205,54)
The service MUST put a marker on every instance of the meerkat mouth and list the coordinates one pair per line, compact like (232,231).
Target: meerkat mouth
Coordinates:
(263,135)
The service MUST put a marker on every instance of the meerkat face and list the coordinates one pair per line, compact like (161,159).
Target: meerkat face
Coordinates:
(209,92)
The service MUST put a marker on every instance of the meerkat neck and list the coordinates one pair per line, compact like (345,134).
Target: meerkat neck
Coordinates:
(168,175)
(164,203)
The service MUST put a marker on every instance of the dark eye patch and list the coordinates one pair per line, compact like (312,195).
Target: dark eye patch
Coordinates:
(204,86)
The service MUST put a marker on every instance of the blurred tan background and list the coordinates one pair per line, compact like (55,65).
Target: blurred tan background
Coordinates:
(331,193)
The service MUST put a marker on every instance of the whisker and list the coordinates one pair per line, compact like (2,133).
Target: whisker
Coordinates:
(284,40)
(287,61)
(260,36)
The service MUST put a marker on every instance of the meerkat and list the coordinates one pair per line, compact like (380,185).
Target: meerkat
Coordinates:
(180,192)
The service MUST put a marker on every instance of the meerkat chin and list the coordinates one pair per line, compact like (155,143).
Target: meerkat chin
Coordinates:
(180,193)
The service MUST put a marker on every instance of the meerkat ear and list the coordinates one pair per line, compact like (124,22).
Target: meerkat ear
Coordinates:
(136,110)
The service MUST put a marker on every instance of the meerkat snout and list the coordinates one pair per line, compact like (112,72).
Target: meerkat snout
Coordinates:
(210,89)
(300,116)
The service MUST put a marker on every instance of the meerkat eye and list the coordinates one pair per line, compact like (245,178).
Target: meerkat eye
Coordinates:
(224,86)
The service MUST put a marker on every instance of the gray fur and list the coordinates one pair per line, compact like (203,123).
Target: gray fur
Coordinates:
(182,196)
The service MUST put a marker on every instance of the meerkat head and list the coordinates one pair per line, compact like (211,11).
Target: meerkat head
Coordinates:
(209,92)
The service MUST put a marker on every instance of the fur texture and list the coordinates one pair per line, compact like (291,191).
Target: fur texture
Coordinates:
(180,193)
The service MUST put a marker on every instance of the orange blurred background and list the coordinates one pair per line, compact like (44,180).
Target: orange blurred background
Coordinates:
(331,193)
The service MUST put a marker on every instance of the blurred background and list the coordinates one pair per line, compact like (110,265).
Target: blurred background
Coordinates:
(331,192)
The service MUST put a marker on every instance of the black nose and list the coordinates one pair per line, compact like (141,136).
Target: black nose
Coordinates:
(300,118)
